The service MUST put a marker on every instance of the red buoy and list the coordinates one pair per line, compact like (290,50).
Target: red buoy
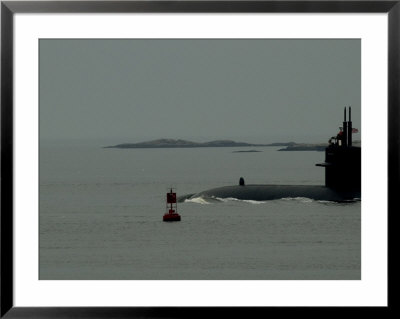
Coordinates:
(171,214)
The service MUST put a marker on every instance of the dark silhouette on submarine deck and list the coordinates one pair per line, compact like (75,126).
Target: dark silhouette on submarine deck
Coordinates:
(342,176)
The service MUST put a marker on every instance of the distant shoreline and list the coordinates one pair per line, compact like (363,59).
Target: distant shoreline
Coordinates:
(305,147)
(172,143)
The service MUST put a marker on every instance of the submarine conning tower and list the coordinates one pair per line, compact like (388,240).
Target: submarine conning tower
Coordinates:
(343,160)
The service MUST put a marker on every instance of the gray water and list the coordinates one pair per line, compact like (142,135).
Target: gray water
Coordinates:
(101,217)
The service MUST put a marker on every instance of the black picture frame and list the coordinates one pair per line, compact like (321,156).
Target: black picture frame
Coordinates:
(9,8)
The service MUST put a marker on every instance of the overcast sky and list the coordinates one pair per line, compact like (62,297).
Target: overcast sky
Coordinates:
(245,90)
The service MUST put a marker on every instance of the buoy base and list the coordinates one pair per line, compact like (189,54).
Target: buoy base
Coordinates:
(171,218)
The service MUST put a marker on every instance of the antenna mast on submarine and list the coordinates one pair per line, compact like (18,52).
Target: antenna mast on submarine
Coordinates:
(345,131)
(350,130)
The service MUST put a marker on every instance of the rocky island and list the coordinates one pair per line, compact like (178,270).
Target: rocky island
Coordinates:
(249,151)
(170,143)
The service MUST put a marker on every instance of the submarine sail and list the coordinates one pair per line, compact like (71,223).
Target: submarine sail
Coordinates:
(343,161)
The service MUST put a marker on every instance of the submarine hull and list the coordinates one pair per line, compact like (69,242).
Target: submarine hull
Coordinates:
(271,192)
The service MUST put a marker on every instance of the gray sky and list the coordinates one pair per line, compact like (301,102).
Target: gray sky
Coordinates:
(246,90)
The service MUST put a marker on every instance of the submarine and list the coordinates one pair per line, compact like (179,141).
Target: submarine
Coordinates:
(342,177)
